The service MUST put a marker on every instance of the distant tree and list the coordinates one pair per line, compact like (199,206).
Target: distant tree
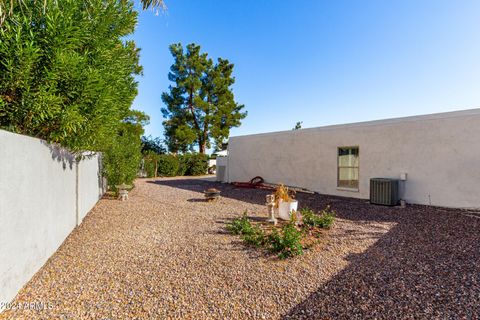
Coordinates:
(152,148)
(154,145)
(152,157)
(200,106)
(298,125)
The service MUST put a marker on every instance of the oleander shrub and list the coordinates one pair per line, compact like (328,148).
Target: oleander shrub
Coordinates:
(68,75)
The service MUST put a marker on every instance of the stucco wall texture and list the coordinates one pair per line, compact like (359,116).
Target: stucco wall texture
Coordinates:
(39,204)
(440,153)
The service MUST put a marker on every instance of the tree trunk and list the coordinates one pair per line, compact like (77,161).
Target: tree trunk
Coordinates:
(156,169)
(202,146)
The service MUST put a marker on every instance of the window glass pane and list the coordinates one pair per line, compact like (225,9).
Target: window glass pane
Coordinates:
(348,174)
(348,161)
(344,151)
(348,177)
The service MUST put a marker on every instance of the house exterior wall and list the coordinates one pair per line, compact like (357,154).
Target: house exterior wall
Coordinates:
(38,204)
(440,154)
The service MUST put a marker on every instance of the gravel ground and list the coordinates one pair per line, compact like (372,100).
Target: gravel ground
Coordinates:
(165,254)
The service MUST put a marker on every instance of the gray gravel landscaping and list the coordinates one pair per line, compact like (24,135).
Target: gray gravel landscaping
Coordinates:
(165,253)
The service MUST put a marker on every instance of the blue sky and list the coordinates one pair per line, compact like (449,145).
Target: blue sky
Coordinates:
(321,62)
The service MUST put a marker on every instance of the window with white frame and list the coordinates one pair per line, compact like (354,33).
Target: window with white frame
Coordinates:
(347,167)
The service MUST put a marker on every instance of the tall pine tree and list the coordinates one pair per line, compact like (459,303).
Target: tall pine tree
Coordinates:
(200,106)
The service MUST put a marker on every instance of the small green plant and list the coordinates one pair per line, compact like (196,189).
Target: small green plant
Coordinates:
(251,234)
(239,225)
(286,243)
(254,236)
(324,219)
(327,217)
(309,217)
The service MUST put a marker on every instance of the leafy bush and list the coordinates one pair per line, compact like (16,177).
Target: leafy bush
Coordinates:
(149,167)
(189,164)
(239,225)
(309,217)
(167,165)
(197,164)
(286,243)
(67,72)
(183,163)
(324,219)
(251,234)
(121,160)
(255,236)
(328,218)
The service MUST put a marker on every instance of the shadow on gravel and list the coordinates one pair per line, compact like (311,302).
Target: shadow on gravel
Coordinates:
(227,190)
(426,266)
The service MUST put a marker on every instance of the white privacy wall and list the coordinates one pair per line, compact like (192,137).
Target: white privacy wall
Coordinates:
(440,154)
(90,184)
(38,204)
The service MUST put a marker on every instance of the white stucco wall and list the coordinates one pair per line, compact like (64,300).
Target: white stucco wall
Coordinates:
(38,205)
(440,154)
(90,184)
(221,174)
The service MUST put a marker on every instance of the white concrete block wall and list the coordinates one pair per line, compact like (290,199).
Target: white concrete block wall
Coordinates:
(37,205)
(440,154)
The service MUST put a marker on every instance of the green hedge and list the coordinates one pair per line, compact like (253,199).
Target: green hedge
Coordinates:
(168,165)
(149,167)
(190,164)
(196,164)
(121,159)
(183,165)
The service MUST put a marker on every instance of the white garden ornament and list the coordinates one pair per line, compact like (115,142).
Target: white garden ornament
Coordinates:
(270,203)
(123,192)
